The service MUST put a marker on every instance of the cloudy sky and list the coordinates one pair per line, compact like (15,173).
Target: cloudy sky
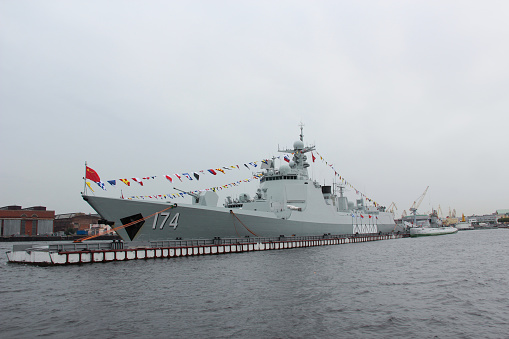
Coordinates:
(397,95)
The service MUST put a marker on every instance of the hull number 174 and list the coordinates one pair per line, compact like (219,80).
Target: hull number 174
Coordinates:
(163,218)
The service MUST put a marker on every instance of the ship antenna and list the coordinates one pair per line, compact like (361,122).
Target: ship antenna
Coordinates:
(301,132)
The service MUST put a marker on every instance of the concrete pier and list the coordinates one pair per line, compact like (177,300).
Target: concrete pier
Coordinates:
(101,252)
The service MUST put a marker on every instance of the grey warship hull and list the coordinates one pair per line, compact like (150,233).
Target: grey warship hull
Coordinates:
(288,202)
(194,222)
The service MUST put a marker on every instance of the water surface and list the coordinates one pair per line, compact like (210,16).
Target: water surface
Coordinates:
(452,286)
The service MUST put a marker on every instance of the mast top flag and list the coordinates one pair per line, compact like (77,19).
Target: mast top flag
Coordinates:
(92,175)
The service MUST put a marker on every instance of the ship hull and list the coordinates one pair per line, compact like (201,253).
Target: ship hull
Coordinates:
(428,231)
(194,221)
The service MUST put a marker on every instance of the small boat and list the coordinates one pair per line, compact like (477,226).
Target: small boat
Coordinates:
(426,225)
(426,231)
(463,226)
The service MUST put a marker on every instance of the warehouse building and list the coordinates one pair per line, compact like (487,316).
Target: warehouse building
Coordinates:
(75,222)
(36,220)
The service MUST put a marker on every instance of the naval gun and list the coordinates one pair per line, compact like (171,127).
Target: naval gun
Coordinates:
(207,198)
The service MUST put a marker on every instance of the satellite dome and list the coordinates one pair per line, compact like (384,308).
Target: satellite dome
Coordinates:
(298,145)
(291,164)
(284,169)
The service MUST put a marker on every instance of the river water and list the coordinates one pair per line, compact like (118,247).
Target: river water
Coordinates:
(452,286)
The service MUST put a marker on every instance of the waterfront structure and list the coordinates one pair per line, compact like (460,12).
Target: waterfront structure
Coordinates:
(101,252)
(30,221)
(78,222)
(483,220)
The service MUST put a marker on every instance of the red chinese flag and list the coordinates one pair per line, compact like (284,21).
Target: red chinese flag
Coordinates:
(92,175)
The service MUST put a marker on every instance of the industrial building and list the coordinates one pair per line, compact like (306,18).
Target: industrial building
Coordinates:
(488,219)
(79,222)
(36,220)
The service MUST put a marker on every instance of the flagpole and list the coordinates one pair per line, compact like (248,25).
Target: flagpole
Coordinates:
(85,180)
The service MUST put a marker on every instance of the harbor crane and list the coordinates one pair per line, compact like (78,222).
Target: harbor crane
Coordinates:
(392,207)
(416,204)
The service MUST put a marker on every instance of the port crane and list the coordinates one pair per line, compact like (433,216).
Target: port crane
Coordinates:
(416,204)
(392,207)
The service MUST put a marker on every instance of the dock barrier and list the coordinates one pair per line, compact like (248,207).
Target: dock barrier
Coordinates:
(82,253)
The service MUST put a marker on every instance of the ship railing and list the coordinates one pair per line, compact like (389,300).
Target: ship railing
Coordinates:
(248,240)
(94,246)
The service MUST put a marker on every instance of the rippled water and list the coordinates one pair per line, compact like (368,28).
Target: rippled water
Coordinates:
(453,286)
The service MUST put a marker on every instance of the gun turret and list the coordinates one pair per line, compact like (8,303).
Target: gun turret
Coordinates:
(194,195)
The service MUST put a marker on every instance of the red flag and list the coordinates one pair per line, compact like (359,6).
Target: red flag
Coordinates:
(313,156)
(92,175)
(370,216)
(169,178)
(138,180)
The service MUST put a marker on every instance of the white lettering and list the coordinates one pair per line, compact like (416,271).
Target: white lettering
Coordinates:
(173,222)
(365,229)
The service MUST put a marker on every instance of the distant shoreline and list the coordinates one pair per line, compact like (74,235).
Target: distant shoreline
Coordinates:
(19,238)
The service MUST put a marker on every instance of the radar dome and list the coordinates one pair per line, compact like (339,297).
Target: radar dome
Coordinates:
(291,164)
(284,169)
(298,145)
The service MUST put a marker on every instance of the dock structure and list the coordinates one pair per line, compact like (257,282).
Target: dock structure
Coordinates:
(101,252)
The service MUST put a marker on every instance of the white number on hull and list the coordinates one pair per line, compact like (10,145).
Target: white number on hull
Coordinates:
(365,229)
(173,222)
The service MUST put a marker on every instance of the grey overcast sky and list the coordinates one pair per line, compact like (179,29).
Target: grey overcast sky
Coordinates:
(397,95)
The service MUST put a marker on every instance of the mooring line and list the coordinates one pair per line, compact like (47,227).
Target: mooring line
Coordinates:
(234,226)
(231,212)
(113,229)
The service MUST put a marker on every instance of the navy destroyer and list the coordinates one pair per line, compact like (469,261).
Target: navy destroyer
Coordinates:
(287,203)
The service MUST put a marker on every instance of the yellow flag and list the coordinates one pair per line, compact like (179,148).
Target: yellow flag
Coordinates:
(88,184)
